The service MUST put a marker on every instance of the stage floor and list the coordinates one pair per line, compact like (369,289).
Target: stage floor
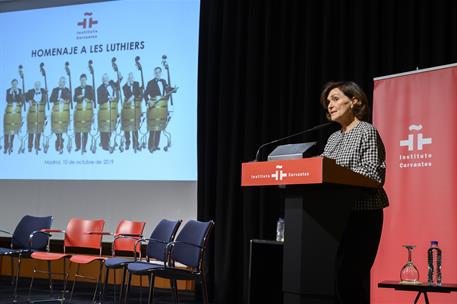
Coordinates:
(83,293)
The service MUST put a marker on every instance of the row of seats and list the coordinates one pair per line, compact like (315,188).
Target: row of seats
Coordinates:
(164,251)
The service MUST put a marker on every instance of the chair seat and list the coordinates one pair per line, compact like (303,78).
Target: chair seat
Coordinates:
(7,251)
(25,253)
(176,273)
(118,262)
(49,256)
(85,259)
(142,267)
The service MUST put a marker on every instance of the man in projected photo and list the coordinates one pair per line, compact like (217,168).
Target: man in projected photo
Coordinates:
(60,117)
(12,121)
(107,98)
(84,98)
(131,111)
(36,98)
(157,99)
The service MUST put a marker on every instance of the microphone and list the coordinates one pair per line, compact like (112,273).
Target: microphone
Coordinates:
(315,128)
(137,58)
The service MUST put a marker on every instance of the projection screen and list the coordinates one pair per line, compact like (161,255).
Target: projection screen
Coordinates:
(100,110)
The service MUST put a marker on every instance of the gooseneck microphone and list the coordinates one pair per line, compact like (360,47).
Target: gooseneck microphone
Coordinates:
(315,128)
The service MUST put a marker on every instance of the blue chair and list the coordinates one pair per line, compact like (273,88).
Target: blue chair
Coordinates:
(23,244)
(189,249)
(156,250)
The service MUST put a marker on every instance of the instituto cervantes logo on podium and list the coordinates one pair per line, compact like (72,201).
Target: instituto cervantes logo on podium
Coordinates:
(279,174)
(416,157)
(86,27)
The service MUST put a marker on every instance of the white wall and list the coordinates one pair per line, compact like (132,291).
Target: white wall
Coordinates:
(110,200)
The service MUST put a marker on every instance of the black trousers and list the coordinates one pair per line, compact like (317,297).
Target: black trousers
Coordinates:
(31,140)
(134,136)
(81,143)
(104,139)
(59,142)
(356,255)
(8,141)
(154,140)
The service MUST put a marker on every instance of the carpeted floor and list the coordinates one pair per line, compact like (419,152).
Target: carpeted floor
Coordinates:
(83,293)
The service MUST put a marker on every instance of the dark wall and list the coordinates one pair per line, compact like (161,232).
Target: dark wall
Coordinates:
(262,66)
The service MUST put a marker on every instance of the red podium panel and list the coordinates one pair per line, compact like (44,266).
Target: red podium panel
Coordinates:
(315,170)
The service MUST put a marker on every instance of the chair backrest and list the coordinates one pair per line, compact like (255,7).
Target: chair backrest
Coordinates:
(78,234)
(25,227)
(165,231)
(195,233)
(128,227)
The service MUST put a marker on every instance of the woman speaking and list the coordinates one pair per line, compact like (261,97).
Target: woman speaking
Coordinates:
(358,147)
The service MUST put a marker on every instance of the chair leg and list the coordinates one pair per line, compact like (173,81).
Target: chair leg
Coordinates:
(174,290)
(105,284)
(65,278)
(127,288)
(151,288)
(114,286)
(204,289)
(123,282)
(74,282)
(50,278)
(12,270)
(31,281)
(17,277)
(99,279)
(141,289)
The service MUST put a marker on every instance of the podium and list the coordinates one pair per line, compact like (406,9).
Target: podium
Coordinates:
(318,202)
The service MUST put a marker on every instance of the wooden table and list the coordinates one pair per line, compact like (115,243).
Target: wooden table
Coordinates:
(421,288)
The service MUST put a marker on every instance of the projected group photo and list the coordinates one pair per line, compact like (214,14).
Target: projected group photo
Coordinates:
(88,113)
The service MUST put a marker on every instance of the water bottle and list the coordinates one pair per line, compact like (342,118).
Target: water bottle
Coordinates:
(280,230)
(434,264)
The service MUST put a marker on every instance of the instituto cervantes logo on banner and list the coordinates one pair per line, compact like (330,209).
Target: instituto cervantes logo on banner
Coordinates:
(279,174)
(416,154)
(87,27)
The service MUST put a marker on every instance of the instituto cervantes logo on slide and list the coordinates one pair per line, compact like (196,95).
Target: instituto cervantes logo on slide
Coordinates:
(416,156)
(88,21)
(86,27)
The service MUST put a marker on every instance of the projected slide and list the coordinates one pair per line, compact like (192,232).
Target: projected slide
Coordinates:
(102,91)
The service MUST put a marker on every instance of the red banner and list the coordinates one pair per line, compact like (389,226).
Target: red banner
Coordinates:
(416,116)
